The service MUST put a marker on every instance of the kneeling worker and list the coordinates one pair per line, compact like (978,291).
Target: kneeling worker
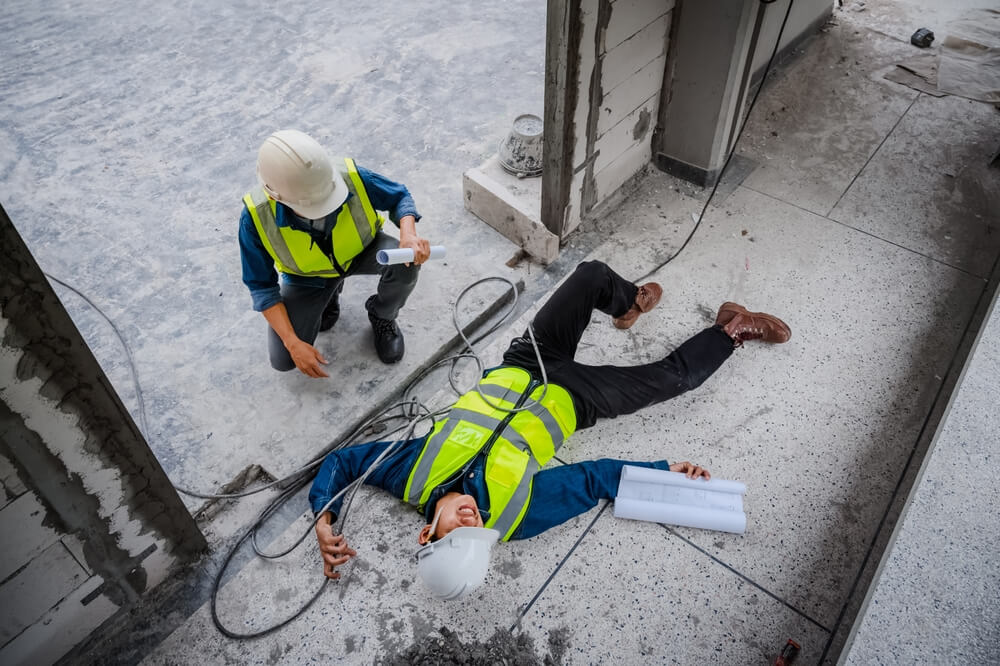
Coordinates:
(481,467)
(316,220)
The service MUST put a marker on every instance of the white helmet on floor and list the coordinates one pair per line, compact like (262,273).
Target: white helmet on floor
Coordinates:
(295,170)
(457,564)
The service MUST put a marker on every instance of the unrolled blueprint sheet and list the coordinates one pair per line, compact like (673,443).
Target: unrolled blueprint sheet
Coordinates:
(670,497)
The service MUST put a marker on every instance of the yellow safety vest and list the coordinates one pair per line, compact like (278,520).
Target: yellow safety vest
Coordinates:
(294,252)
(518,444)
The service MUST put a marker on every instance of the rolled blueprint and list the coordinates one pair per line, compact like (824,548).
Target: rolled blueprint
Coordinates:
(670,497)
(404,255)
(632,476)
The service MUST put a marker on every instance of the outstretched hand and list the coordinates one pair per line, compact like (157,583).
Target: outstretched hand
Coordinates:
(691,470)
(333,547)
(307,359)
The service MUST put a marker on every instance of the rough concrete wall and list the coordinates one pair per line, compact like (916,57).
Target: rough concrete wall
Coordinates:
(620,61)
(90,521)
(631,65)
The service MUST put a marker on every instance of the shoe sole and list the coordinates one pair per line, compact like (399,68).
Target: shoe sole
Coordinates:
(729,305)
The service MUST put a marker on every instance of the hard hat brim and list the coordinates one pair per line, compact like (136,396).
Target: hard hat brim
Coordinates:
(486,534)
(321,209)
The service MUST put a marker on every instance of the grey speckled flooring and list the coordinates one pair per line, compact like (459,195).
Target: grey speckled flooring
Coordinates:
(128,134)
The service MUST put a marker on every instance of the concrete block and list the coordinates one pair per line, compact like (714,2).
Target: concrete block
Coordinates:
(942,570)
(634,130)
(628,96)
(624,60)
(23,517)
(512,206)
(60,629)
(36,588)
(630,16)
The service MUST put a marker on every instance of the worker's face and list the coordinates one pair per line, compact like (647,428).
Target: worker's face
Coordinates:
(453,510)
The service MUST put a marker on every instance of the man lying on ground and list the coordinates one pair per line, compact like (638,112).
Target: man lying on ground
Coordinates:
(477,476)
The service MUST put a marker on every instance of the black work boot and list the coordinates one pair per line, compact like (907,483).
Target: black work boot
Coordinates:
(388,338)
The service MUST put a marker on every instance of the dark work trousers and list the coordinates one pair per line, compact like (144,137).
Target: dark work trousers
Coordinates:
(305,305)
(606,391)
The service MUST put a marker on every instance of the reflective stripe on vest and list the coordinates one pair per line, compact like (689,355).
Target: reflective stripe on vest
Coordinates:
(294,252)
(519,443)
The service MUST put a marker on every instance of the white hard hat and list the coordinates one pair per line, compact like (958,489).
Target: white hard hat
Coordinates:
(295,170)
(457,564)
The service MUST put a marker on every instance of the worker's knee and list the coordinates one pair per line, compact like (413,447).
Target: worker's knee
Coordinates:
(591,270)
(282,364)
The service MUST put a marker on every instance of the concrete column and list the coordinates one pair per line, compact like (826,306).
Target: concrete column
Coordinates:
(706,81)
(562,65)
(719,50)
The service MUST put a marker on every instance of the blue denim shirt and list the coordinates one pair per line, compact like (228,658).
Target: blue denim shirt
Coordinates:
(558,493)
(259,274)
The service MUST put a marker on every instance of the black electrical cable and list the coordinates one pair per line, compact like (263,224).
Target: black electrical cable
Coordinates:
(273,507)
(295,481)
(732,151)
(128,351)
(217,583)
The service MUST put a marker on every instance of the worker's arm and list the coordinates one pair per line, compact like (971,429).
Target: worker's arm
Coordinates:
(262,280)
(258,267)
(339,469)
(306,357)
(408,238)
(391,196)
(342,467)
(566,491)
(332,546)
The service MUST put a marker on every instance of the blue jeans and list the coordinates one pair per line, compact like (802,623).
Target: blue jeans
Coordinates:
(306,304)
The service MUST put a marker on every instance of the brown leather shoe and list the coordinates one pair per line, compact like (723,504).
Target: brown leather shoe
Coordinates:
(645,300)
(741,325)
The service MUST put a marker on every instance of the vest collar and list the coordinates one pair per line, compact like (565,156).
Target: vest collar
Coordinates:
(286,217)
(459,482)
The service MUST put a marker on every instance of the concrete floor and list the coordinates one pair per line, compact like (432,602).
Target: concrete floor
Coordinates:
(141,216)
(868,223)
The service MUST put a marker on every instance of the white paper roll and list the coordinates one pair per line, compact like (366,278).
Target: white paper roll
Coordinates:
(404,255)
(631,473)
(662,496)
(685,516)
